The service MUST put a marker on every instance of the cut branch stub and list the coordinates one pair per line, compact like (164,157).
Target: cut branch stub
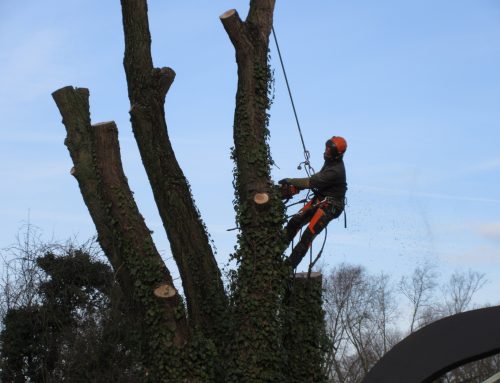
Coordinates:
(229,13)
(166,77)
(165,290)
(261,198)
(234,27)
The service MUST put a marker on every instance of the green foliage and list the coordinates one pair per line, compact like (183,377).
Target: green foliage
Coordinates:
(162,359)
(23,348)
(258,286)
(75,329)
(75,281)
(305,338)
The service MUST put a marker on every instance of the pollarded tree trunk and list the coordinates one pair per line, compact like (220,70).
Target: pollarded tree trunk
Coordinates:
(218,339)
(147,87)
(122,232)
(260,216)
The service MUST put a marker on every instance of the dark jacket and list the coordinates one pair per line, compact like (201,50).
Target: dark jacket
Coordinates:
(330,181)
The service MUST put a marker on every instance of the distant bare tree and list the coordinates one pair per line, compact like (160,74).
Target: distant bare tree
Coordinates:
(460,290)
(363,317)
(360,316)
(339,291)
(458,293)
(384,312)
(475,372)
(419,289)
(20,276)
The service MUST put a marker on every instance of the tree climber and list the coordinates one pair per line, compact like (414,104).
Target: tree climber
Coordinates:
(329,187)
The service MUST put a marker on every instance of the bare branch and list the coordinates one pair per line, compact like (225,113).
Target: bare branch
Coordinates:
(461,289)
(418,289)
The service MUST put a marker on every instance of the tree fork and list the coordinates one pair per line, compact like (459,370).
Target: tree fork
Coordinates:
(190,245)
(122,233)
(260,214)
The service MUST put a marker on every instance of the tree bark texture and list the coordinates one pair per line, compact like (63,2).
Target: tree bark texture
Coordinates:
(241,340)
(147,87)
(261,273)
(305,337)
(121,229)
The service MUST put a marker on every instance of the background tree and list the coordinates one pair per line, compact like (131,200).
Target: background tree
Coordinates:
(73,323)
(74,326)
(366,315)
(419,288)
(361,321)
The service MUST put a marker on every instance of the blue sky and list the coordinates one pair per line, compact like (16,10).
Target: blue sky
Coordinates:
(414,87)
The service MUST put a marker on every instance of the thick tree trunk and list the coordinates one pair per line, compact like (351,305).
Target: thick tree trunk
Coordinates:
(122,232)
(305,336)
(258,338)
(249,343)
(147,87)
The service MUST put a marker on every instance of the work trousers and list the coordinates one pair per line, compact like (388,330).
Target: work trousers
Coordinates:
(317,214)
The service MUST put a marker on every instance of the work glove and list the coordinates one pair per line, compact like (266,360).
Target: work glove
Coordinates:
(287,191)
(284,181)
(300,183)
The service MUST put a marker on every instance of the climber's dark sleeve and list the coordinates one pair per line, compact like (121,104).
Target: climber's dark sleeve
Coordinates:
(325,178)
(301,183)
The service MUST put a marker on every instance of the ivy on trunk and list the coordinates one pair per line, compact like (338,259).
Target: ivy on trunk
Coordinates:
(213,336)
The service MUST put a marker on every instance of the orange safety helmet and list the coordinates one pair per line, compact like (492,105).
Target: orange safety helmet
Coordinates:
(335,147)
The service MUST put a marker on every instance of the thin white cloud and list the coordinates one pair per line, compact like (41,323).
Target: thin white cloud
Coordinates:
(485,166)
(490,231)
(482,167)
(480,255)
(402,192)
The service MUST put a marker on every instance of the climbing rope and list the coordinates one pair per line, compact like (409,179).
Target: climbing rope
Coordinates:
(307,164)
(313,262)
